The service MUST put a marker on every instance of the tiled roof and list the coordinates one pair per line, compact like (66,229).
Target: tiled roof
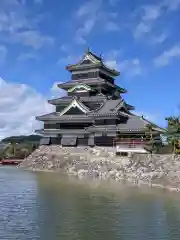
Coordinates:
(68,99)
(137,122)
(95,56)
(90,60)
(92,81)
(107,108)
(60,131)
(98,98)
(133,122)
(101,128)
(56,116)
(113,128)
(110,107)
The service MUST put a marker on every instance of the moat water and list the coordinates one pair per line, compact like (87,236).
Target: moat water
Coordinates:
(48,207)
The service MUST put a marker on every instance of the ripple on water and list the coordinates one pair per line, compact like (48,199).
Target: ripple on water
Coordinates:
(48,207)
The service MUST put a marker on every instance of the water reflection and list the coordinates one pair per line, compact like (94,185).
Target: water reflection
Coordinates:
(46,206)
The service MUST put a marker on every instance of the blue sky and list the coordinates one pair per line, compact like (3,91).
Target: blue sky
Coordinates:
(38,38)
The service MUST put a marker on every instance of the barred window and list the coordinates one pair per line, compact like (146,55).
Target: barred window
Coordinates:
(49,126)
(85,75)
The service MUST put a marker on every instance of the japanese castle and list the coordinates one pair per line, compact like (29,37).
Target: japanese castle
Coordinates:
(94,113)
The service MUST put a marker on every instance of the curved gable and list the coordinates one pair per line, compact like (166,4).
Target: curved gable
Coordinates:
(80,88)
(76,105)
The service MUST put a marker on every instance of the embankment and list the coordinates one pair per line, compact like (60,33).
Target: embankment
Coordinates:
(100,163)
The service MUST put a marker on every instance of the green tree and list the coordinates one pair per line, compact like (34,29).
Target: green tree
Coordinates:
(10,150)
(149,135)
(149,127)
(24,152)
(173,132)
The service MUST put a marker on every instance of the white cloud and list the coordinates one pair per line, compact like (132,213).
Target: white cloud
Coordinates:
(3,53)
(19,104)
(27,56)
(114,2)
(19,25)
(93,15)
(111,58)
(149,15)
(33,38)
(68,59)
(65,48)
(112,63)
(166,57)
(112,26)
(38,1)
(6,3)
(159,38)
(151,12)
(84,31)
(88,15)
(141,29)
(56,91)
(129,67)
(171,5)
(89,8)
(113,54)
(113,15)
(12,21)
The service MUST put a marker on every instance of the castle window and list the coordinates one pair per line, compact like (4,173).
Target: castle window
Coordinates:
(79,76)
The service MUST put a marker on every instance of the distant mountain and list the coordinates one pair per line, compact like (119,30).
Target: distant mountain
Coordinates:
(22,139)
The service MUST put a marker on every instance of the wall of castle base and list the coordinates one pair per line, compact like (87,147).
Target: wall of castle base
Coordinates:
(73,140)
(92,141)
(101,163)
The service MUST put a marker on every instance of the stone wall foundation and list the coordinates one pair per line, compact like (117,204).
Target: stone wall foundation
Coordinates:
(102,163)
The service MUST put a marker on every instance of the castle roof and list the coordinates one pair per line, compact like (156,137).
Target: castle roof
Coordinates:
(67,99)
(108,108)
(90,60)
(90,82)
(86,99)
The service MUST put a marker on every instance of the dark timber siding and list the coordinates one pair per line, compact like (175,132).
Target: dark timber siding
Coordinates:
(59,108)
(106,122)
(104,141)
(79,94)
(49,126)
(55,140)
(82,141)
(72,125)
(104,76)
